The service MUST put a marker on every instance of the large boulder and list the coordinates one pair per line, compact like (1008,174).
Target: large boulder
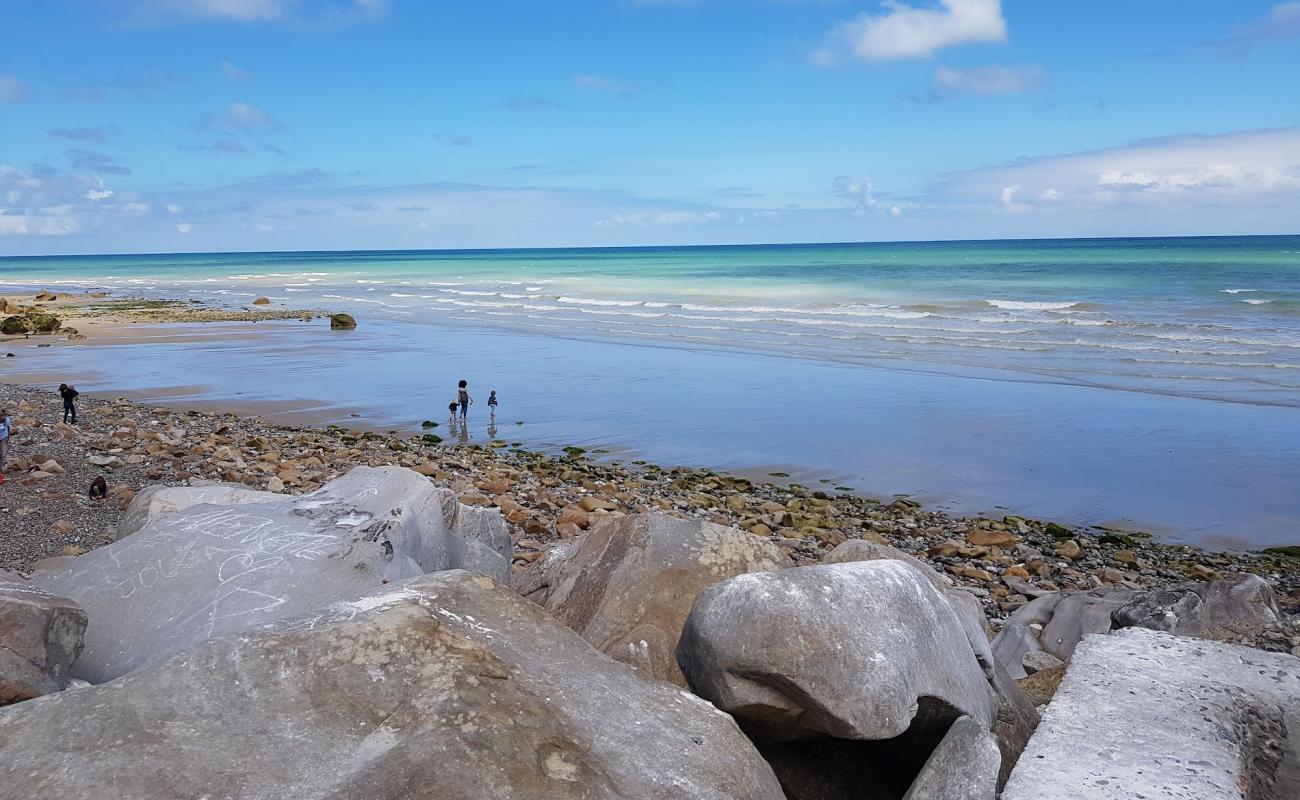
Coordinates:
(831,668)
(1147,714)
(1015,715)
(342,322)
(446,687)
(40,637)
(209,570)
(156,502)
(629,584)
(1236,606)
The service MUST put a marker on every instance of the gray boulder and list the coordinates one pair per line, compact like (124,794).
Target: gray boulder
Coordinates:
(1147,714)
(155,502)
(628,586)
(40,637)
(210,570)
(847,675)
(963,767)
(1015,715)
(1236,606)
(866,550)
(445,687)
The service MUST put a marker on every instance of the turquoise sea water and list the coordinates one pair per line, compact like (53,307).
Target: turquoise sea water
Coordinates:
(1149,383)
(1200,317)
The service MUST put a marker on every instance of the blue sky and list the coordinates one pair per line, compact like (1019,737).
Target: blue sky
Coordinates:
(184,125)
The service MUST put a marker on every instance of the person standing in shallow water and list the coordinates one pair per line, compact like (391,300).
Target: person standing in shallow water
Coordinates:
(69,395)
(462,397)
(492,404)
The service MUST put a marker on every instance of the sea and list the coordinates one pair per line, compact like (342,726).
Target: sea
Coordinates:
(1149,383)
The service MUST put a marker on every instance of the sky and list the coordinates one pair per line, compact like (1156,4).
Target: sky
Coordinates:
(132,126)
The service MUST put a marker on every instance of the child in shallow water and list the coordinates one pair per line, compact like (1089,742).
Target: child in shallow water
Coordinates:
(492,404)
(451,408)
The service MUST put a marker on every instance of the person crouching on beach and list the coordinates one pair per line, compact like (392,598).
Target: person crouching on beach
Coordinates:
(492,404)
(69,395)
(6,428)
(462,396)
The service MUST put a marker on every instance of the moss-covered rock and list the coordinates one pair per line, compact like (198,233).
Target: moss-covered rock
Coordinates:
(342,322)
(43,323)
(12,326)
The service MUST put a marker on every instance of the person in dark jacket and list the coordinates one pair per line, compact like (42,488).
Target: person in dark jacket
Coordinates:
(69,395)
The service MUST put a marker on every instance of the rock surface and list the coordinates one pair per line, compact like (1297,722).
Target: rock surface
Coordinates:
(155,502)
(1239,605)
(861,650)
(963,767)
(628,586)
(847,675)
(210,570)
(447,687)
(1147,714)
(40,637)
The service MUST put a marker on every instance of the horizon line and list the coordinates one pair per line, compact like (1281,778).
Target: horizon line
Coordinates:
(660,246)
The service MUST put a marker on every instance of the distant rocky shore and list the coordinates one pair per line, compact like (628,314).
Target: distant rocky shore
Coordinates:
(53,312)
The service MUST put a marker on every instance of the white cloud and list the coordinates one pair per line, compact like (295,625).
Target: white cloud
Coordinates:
(12,90)
(905,31)
(242,10)
(986,80)
(1009,199)
(232,71)
(245,117)
(184,228)
(1232,172)
(662,218)
(1282,23)
(172,208)
(95,195)
(895,211)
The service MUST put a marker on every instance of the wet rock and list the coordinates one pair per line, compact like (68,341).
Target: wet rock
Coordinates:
(262,301)
(445,687)
(210,570)
(1146,714)
(342,322)
(40,637)
(629,585)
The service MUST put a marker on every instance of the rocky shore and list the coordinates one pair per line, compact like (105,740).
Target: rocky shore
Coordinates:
(63,313)
(553,498)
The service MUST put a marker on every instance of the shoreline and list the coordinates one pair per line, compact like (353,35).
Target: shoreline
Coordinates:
(547,500)
(172,325)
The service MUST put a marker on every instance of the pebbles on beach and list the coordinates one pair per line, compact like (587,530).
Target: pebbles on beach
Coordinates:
(548,498)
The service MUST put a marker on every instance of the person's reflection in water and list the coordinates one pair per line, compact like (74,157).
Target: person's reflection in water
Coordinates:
(462,432)
(492,429)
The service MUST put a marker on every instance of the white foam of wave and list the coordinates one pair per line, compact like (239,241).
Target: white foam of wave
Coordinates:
(1237,291)
(1254,301)
(1032,305)
(591,301)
